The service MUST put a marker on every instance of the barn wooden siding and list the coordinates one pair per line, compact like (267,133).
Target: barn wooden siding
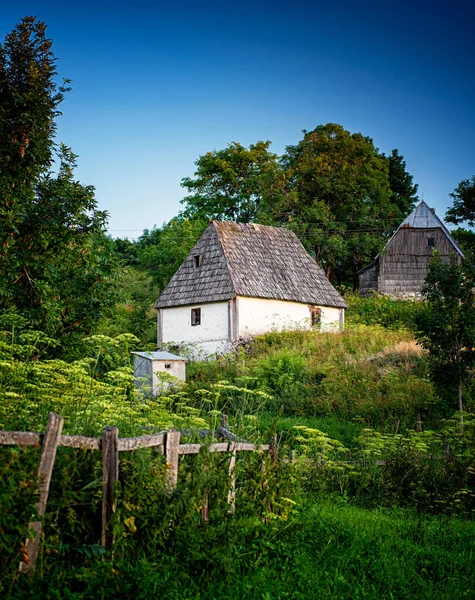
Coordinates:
(369,279)
(403,266)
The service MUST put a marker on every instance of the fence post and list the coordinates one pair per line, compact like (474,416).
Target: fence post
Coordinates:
(110,475)
(224,421)
(205,503)
(45,470)
(172,441)
(232,489)
(273,449)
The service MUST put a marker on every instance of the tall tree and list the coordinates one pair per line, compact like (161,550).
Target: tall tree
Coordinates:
(228,183)
(463,208)
(334,191)
(401,183)
(446,328)
(57,265)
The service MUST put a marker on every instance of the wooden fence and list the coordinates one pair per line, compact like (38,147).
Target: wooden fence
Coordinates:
(167,442)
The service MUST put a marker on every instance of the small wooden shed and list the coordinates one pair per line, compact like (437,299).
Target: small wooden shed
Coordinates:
(401,268)
(148,364)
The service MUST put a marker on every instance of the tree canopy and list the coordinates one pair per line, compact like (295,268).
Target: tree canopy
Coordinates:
(341,197)
(228,183)
(57,266)
(463,208)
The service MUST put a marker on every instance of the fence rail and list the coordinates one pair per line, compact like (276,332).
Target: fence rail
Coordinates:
(166,442)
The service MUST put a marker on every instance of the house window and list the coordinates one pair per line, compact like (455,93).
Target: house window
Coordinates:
(198,260)
(315,316)
(196,316)
(431,242)
(168,366)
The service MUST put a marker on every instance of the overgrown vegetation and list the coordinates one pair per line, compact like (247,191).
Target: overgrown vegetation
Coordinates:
(373,495)
(347,408)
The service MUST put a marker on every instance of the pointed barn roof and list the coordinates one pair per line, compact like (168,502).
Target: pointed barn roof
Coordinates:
(424,217)
(243,259)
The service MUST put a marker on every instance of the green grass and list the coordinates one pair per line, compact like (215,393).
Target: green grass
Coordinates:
(326,550)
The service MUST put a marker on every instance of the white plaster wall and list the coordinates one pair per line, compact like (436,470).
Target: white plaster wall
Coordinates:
(209,337)
(259,315)
(333,319)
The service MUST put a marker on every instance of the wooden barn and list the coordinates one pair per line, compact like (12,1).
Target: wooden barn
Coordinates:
(242,280)
(403,265)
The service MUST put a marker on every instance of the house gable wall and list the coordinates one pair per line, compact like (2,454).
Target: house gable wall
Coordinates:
(405,262)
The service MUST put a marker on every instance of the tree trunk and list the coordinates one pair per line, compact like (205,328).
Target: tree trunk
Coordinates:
(459,393)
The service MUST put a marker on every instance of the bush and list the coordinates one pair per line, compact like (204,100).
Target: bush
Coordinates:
(382,310)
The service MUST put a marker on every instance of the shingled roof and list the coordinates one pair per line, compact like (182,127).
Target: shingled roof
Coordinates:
(250,260)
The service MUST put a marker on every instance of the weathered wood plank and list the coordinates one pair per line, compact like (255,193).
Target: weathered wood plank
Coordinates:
(146,441)
(20,438)
(80,441)
(232,483)
(110,475)
(172,443)
(189,448)
(45,471)
(225,433)
(221,447)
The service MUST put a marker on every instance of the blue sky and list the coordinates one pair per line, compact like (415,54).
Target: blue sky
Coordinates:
(157,84)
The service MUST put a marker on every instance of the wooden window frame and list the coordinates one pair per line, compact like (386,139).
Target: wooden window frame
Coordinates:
(315,316)
(195,316)
(431,242)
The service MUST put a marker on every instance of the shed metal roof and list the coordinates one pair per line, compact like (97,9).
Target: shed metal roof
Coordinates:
(158,355)
(247,259)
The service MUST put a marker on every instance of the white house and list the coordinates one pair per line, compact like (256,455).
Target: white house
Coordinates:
(241,280)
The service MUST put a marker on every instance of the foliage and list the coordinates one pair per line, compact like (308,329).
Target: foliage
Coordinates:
(431,471)
(57,265)
(447,327)
(282,371)
(463,208)
(392,313)
(335,193)
(134,313)
(326,549)
(18,494)
(404,191)
(229,183)
(162,250)
(466,239)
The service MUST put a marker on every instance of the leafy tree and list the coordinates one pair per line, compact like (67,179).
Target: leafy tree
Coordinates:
(446,328)
(134,313)
(57,264)
(334,192)
(463,209)
(403,189)
(126,251)
(466,239)
(228,183)
(162,250)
